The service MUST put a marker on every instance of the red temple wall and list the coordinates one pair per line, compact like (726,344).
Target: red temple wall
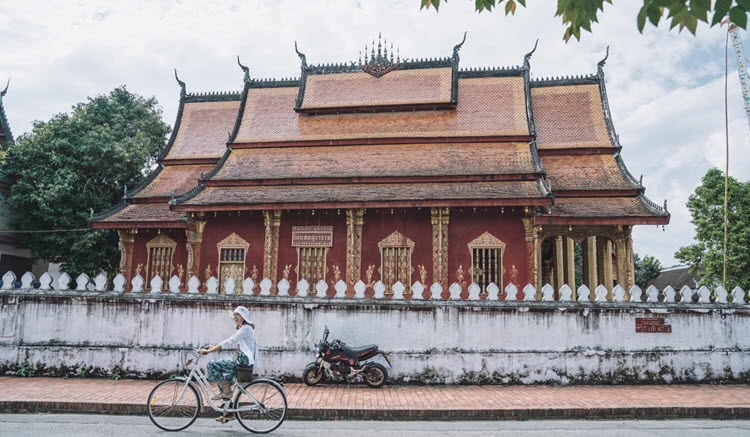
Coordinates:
(412,223)
(466,225)
(336,254)
(140,253)
(246,224)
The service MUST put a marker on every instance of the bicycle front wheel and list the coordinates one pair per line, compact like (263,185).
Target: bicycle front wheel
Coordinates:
(261,406)
(173,405)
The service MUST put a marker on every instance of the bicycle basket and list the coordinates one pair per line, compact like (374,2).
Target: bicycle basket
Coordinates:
(244,373)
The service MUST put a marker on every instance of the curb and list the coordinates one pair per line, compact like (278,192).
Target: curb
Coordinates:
(666,412)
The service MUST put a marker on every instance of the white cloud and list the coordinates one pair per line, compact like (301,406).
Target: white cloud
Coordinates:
(665,88)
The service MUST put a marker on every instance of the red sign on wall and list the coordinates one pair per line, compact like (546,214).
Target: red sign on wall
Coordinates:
(653,324)
(312,236)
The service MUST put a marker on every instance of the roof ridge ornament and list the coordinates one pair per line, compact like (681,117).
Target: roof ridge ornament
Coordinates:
(183,87)
(5,91)
(301,56)
(601,63)
(527,56)
(457,47)
(379,63)
(244,68)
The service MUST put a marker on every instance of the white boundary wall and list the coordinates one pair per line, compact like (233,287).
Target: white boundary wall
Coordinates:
(431,341)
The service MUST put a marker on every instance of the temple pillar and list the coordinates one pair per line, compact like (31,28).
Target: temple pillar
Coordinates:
(570,262)
(126,243)
(272,221)
(624,251)
(440,217)
(354,223)
(589,264)
(559,264)
(630,264)
(604,252)
(194,233)
(532,250)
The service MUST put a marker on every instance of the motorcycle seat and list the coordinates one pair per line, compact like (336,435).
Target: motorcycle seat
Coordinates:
(357,351)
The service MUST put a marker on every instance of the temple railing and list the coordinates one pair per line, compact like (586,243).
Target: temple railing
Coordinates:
(379,291)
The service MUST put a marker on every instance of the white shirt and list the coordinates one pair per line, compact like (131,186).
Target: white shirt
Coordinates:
(245,337)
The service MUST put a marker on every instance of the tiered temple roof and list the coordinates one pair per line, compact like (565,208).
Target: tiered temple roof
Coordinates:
(392,133)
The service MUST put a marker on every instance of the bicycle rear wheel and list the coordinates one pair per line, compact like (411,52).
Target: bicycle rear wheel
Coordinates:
(170,409)
(262,405)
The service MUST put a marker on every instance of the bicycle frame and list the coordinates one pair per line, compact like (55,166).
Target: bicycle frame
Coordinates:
(197,375)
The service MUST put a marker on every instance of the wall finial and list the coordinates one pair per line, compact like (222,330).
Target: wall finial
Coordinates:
(527,56)
(5,91)
(601,63)
(244,68)
(301,55)
(458,46)
(179,82)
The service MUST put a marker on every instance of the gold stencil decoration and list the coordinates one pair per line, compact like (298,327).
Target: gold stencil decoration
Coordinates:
(232,251)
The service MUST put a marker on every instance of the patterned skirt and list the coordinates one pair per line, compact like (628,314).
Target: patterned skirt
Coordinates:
(224,370)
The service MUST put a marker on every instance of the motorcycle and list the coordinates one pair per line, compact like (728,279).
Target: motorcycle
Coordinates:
(347,362)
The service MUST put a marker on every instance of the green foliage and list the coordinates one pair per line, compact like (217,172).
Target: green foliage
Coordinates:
(706,206)
(25,370)
(646,269)
(79,161)
(579,14)
(84,370)
(114,376)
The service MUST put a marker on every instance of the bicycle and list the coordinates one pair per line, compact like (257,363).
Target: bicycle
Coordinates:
(259,405)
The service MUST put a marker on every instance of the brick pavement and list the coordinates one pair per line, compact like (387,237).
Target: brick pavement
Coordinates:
(407,402)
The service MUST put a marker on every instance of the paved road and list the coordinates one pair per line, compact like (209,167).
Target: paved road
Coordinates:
(127,426)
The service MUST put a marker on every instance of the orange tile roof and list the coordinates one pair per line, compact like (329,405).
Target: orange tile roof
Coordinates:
(364,193)
(204,129)
(179,178)
(378,161)
(569,116)
(585,172)
(599,207)
(399,87)
(145,212)
(486,107)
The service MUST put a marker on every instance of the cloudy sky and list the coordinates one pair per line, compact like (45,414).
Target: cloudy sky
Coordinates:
(665,89)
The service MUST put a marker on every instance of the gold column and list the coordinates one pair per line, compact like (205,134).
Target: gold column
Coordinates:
(589,264)
(630,267)
(570,263)
(194,233)
(126,243)
(354,223)
(272,221)
(532,263)
(439,219)
(604,250)
(538,257)
(559,264)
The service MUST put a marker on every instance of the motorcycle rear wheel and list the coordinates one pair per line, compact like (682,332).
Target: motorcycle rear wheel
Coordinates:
(375,375)
(313,376)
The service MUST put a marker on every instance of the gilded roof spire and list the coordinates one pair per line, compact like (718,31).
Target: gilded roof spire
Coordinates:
(380,53)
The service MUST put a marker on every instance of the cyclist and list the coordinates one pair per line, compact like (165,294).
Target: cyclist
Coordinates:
(223,371)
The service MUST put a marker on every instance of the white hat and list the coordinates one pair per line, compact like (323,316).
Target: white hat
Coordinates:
(245,313)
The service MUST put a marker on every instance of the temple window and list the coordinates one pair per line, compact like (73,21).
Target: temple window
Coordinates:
(311,262)
(159,262)
(232,252)
(487,260)
(395,259)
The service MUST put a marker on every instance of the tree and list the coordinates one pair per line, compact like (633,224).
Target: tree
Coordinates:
(79,161)
(706,206)
(646,269)
(579,14)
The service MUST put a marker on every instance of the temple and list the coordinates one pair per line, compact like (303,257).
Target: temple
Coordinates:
(392,170)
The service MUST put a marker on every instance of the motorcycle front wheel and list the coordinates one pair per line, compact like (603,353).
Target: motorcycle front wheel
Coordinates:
(313,375)
(375,375)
